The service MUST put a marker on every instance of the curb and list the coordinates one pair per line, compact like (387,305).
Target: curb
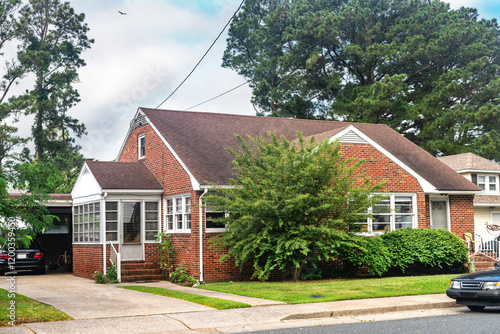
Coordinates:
(339,313)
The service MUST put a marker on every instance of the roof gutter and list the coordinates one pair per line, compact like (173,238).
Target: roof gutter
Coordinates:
(200,220)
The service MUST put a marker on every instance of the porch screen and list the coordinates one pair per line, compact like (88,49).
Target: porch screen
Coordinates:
(132,222)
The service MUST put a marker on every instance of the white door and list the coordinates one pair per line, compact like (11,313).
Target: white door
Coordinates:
(439,214)
(131,243)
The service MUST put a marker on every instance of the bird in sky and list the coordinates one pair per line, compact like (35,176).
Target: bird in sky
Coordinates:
(122,13)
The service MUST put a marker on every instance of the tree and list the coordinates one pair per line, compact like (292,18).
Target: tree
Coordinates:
(53,38)
(25,215)
(429,72)
(291,204)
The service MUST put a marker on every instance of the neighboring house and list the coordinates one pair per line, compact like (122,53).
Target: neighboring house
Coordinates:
(56,240)
(486,174)
(169,159)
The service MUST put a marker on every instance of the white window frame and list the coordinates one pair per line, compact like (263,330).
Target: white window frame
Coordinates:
(213,229)
(487,182)
(184,214)
(140,147)
(392,214)
(95,223)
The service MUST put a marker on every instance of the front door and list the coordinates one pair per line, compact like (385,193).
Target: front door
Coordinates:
(131,245)
(439,214)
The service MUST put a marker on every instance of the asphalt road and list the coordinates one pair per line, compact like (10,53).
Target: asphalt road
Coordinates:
(468,322)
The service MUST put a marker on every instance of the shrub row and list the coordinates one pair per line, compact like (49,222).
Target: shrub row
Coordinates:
(409,252)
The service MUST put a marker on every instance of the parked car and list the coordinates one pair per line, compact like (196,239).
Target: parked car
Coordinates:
(476,290)
(21,258)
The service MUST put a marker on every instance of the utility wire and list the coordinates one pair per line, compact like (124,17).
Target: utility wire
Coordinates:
(287,59)
(216,97)
(223,29)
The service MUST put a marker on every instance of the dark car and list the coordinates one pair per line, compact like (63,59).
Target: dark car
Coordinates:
(22,258)
(476,290)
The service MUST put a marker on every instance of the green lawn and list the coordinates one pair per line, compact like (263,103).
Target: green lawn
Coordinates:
(220,304)
(27,310)
(336,289)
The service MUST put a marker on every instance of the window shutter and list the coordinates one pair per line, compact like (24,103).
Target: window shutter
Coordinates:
(474,178)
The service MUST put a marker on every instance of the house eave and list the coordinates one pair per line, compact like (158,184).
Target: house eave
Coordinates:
(134,191)
(479,171)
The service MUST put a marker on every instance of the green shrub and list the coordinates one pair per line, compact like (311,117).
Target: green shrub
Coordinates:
(166,249)
(181,276)
(370,253)
(111,275)
(418,251)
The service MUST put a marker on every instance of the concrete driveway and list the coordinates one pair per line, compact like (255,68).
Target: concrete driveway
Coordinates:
(82,298)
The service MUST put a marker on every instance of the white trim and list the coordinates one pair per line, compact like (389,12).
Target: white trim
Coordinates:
(134,191)
(139,155)
(487,205)
(479,171)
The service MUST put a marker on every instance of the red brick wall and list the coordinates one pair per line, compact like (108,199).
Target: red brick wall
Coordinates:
(461,214)
(87,259)
(160,161)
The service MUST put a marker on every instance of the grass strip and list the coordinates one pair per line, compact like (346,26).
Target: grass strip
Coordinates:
(303,292)
(220,304)
(27,310)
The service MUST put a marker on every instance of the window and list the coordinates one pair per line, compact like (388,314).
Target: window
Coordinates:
(487,182)
(60,226)
(394,212)
(210,219)
(178,214)
(142,146)
(87,223)
(111,221)
(151,220)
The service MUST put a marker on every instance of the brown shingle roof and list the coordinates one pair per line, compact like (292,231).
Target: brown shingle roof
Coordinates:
(487,199)
(123,175)
(200,140)
(469,161)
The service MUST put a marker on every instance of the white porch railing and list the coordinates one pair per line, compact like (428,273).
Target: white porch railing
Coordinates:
(478,246)
(115,256)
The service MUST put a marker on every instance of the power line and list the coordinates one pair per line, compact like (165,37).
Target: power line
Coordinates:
(216,97)
(285,60)
(215,41)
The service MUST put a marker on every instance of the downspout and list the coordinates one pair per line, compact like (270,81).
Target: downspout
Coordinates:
(103,226)
(200,220)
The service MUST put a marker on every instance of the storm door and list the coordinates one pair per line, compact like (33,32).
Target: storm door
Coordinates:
(131,247)
(439,214)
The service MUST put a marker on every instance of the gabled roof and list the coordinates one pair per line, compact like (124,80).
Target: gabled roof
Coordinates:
(200,140)
(469,162)
(123,175)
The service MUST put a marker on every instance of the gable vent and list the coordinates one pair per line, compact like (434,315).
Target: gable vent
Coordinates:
(353,138)
(86,171)
(140,120)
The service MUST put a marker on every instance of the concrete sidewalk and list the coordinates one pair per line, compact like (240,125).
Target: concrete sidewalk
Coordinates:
(124,311)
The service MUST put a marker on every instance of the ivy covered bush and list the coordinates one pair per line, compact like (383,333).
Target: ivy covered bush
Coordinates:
(425,251)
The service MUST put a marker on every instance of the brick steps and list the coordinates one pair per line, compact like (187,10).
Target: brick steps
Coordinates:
(482,262)
(141,271)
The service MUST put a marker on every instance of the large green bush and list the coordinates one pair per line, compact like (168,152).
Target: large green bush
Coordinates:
(371,253)
(417,251)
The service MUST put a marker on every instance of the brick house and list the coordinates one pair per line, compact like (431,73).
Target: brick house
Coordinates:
(169,159)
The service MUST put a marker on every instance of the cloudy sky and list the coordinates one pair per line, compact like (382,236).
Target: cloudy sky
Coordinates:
(138,59)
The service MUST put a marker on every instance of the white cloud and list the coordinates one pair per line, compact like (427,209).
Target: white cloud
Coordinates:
(138,59)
